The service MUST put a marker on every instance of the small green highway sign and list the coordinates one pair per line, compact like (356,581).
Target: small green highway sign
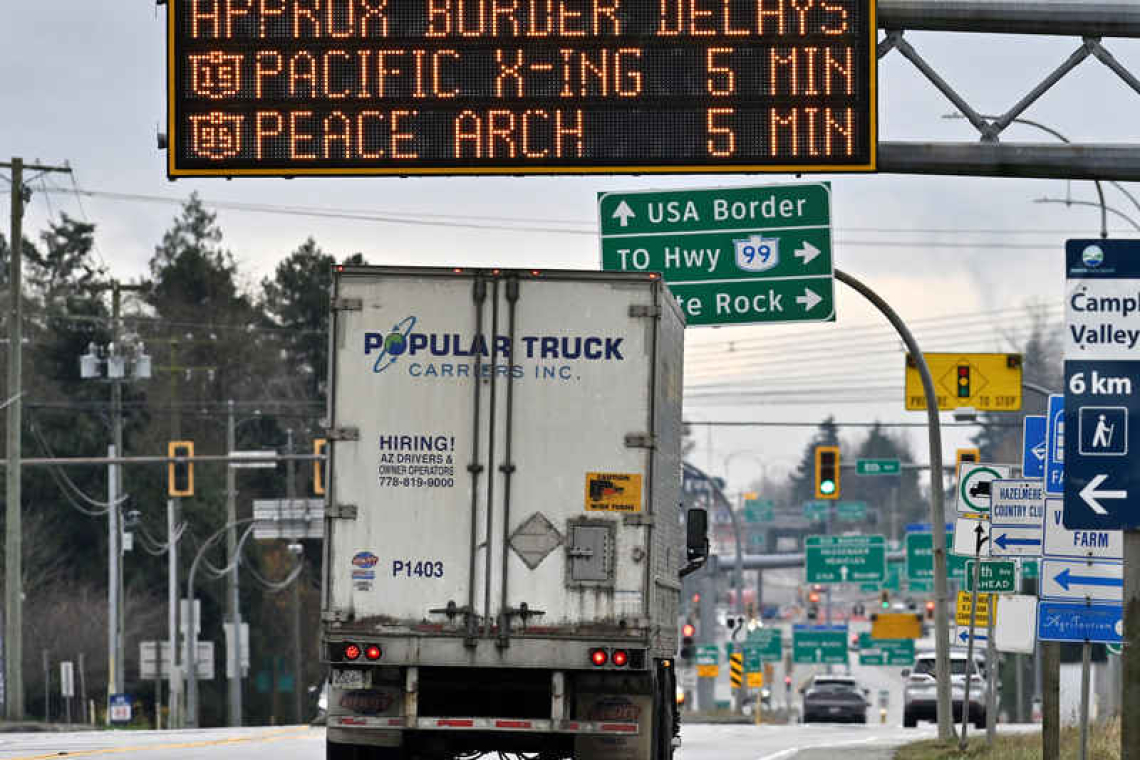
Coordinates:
(885,651)
(819,644)
(920,558)
(753,662)
(816,511)
(759,510)
(994,577)
(1030,568)
(739,255)
(707,654)
(845,559)
(878,467)
(893,583)
(767,641)
(850,511)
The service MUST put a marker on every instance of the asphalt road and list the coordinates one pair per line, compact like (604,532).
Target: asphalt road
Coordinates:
(700,742)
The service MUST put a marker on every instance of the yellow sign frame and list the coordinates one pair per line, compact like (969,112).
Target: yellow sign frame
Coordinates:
(993,381)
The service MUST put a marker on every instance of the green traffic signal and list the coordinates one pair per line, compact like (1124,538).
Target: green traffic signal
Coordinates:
(827,486)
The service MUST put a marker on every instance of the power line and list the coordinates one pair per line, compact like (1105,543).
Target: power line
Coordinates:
(817,423)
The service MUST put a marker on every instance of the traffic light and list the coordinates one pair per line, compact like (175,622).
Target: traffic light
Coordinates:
(885,599)
(688,631)
(813,612)
(930,609)
(963,381)
(180,475)
(319,467)
(827,472)
(966,455)
(813,597)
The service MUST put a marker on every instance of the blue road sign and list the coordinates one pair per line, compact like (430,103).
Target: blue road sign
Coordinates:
(926,527)
(1033,446)
(1102,384)
(1055,445)
(1077,621)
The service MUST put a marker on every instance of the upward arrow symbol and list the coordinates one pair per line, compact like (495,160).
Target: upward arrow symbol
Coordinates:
(623,213)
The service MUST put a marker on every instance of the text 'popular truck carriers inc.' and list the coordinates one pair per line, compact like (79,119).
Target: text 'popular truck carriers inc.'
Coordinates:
(504,531)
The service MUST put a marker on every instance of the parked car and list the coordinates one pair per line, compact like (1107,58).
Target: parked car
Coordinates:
(834,698)
(920,697)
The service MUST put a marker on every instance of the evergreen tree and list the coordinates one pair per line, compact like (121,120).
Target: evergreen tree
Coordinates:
(297,299)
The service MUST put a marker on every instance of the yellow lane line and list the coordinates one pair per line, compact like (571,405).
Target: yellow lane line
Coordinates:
(270,737)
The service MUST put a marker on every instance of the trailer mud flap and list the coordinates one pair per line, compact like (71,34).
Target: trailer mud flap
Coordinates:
(628,709)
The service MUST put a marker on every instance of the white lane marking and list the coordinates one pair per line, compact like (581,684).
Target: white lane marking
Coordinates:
(792,752)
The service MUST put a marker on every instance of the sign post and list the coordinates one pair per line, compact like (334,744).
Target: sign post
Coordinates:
(773,264)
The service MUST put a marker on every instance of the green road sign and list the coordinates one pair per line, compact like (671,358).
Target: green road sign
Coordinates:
(741,255)
(1116,649)
(816,511)
(768,642)
(878,467)
(920,558)
(995,577)
(893,583)
(707,654)
(758,540)
(753,662)
(891,652)
(870,588)
(850,511)
(920,587)
(1030,568)
(845,559)
(819,644)
(759,510)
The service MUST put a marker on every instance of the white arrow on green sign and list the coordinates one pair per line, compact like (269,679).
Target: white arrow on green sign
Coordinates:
(739,255)
(819,644)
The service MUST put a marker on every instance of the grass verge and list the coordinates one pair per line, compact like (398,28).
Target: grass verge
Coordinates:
(1104,744)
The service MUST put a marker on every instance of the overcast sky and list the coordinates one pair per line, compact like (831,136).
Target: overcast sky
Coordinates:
(82,81)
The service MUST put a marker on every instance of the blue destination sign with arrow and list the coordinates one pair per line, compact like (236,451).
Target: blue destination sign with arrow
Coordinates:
(1080,622)
(1082,579)
(1033,446)
(1015,541)
(1060,542)
(1102,384)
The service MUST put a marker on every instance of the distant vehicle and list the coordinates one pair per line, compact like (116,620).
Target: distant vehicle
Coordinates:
(834,698)
(981,488)
(920,696)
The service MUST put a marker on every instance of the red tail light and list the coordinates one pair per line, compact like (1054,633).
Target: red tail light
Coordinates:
(599,657)
(372,652)
(352,652)
(620,658)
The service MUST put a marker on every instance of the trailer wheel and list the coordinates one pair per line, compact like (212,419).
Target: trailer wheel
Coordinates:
(664,708)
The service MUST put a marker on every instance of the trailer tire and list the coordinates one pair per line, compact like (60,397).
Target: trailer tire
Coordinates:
(664,703)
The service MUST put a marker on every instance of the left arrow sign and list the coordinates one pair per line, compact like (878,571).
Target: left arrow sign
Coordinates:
(1092,496)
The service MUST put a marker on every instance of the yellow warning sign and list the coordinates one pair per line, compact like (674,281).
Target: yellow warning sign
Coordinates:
(987,382)
(755,680)
(963,611)
(613,492)
(708,671)
(896,625)
(736,669)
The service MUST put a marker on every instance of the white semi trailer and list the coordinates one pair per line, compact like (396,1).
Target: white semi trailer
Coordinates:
(504,534)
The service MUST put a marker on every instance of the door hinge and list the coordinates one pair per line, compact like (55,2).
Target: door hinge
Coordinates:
(645,310)
(342,511)
(347,304)
(342,434)
(639,441)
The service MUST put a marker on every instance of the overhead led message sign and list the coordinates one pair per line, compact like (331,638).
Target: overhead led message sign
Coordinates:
(338,87)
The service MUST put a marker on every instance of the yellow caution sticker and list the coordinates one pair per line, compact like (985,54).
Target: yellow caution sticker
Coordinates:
(613,492)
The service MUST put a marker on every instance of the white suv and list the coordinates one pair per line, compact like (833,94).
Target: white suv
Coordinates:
(920,698)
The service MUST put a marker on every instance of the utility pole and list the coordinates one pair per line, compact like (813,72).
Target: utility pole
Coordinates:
(13,528)
(233,608)
(173,518)
(291,492)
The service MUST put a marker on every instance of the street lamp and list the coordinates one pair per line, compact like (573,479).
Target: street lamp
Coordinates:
(113,363)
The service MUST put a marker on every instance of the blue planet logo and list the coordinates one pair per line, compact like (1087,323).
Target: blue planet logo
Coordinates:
(1092,256)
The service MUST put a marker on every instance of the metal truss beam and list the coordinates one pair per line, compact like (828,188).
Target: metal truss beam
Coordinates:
(1066,18)
(1036,160)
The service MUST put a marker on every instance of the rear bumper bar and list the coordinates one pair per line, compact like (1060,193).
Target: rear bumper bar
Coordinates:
(524,725)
